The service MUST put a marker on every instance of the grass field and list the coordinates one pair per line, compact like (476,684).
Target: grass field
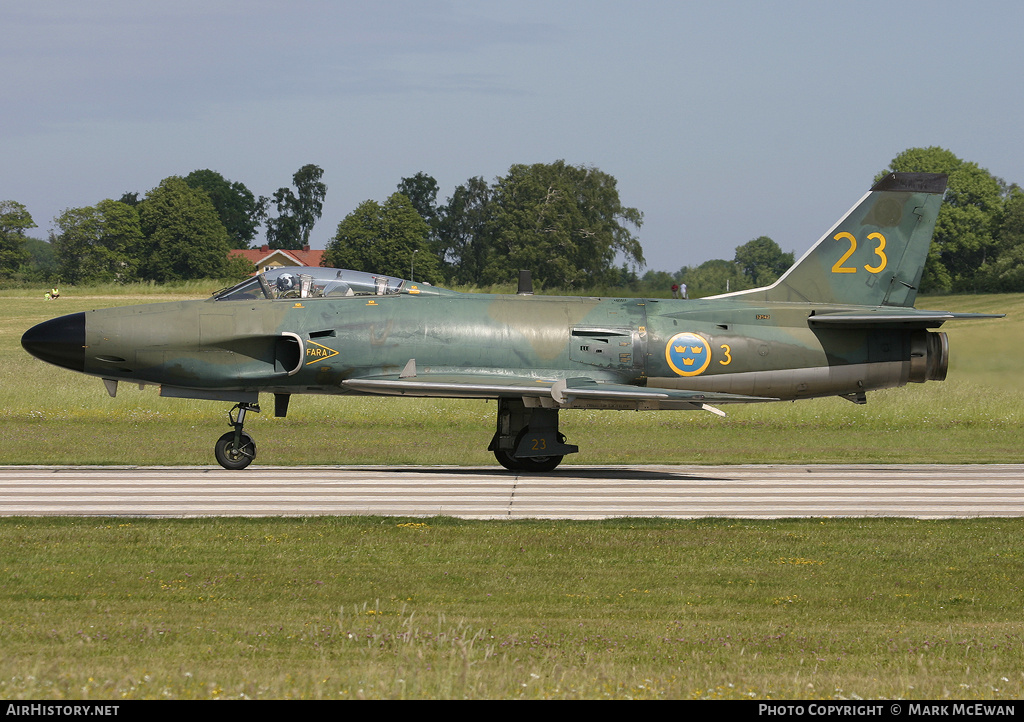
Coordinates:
(440,608)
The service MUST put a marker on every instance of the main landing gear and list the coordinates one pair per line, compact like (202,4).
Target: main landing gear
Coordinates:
(527,439)
(236,449)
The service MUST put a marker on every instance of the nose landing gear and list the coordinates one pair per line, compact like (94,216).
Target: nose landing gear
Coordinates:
(236,449)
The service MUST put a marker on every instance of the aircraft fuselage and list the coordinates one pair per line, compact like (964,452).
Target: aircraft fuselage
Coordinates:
(315,345)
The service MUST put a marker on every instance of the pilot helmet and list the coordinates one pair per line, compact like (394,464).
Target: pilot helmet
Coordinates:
(285,282)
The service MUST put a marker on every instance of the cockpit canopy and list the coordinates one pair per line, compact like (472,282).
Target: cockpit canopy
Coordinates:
(289,282)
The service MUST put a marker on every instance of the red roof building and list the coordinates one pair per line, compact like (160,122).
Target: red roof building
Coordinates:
(267,257)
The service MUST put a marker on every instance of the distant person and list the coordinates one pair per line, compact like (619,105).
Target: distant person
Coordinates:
(685,294)
(55,293)
(675,290)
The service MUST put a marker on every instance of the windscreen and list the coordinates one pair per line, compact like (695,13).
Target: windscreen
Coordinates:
(312,282)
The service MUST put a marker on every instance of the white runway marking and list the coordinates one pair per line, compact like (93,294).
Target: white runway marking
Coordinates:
(571,492)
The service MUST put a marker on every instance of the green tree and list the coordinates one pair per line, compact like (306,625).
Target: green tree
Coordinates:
(297,212)
(1005,272)
(42,262)
(283,231)
(185,238)
(387,239)
(237,268)
(311,193)
(658,284)
(421,190)
(565,223)
(762,261)
(714,277)
(463,237)
(932,159)
(14,221)
(98,243)
(239,210)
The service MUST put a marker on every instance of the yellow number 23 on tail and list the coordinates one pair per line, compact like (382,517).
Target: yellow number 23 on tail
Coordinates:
(879,240)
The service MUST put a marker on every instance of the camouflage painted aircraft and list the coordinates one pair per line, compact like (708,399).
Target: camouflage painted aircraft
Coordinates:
(840,322)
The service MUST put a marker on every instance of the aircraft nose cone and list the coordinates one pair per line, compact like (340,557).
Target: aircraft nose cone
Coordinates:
(59,341)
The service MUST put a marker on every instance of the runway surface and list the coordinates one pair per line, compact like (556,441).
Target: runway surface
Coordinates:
(571,492)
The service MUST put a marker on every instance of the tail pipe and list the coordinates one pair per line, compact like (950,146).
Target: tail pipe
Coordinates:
(929,356)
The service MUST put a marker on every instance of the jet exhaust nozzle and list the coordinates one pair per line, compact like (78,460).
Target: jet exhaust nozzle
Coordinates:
(929,356)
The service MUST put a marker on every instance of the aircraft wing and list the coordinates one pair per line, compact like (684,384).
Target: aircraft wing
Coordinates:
(579,392)
(893,317)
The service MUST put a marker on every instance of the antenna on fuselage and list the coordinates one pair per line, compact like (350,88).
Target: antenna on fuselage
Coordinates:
(525,284)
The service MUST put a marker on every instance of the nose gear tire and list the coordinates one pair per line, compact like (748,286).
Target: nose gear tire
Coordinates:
(231,457)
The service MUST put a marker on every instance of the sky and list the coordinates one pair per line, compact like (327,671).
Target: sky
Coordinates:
(721,121)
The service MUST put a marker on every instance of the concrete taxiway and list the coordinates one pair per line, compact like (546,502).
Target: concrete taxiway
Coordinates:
(572,492)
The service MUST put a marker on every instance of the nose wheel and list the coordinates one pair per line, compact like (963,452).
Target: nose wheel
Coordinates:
(236,449)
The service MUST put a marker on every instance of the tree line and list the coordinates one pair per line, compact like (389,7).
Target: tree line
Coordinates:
(182,229)
(565,223)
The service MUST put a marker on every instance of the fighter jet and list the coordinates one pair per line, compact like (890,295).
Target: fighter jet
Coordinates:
(840,322)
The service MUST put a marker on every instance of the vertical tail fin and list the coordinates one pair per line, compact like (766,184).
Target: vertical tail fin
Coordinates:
(874,255)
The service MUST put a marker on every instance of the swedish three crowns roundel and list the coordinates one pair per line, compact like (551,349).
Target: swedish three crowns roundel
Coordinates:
(688,354)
